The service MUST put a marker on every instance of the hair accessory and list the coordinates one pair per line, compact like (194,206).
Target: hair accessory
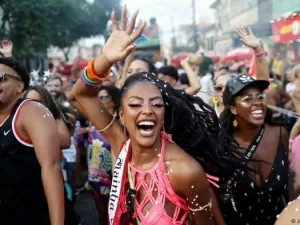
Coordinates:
(34,77)
(46,76)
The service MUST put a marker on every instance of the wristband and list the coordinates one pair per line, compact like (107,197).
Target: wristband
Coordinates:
(92,75)
(260,55)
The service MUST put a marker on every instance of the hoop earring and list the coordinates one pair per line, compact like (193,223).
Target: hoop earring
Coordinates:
(235,123)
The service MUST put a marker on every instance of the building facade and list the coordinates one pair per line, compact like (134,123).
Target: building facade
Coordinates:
(233,14)
(286,28)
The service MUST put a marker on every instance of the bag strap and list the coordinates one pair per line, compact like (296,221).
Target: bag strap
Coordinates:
(247,156)
(253,146)
(131,185)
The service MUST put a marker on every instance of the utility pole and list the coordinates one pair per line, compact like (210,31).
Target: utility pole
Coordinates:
(195,31)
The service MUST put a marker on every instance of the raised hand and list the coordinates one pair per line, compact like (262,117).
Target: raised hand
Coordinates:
(6,48)
(248,38)
(121,41)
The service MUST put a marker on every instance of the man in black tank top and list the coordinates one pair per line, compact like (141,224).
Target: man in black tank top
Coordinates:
(31,190)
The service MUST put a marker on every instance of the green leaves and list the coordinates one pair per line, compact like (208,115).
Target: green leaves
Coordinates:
(35,25)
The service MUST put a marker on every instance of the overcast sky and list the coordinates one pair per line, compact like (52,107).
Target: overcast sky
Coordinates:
(171,11)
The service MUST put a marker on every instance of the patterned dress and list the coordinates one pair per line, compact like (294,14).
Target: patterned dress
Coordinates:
(99,165)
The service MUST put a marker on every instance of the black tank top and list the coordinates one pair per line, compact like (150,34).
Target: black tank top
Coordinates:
(22,197)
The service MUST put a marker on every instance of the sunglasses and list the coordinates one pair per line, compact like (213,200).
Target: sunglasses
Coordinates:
(4,76)
(129,203)
(105,97)
(219,88)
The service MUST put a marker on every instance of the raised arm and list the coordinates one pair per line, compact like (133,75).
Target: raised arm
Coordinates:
(262,68)
(85,91)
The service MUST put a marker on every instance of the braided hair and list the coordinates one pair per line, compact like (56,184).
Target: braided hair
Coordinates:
(193,124)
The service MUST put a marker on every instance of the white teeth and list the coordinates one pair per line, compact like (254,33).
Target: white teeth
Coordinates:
(147,123)
(259,111)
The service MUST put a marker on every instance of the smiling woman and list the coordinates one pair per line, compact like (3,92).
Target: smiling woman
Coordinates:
(256,194)
(154,180)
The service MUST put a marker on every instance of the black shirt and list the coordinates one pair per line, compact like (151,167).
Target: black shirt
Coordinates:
(22,198)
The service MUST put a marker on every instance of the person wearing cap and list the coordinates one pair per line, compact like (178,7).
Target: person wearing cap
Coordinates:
(31,190)
(256,194)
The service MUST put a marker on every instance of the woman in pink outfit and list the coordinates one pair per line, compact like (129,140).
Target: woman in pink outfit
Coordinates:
(161,142)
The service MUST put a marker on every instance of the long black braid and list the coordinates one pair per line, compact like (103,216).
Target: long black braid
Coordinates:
(193,124)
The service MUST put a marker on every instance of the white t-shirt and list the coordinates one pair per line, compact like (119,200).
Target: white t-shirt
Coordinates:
(207,88)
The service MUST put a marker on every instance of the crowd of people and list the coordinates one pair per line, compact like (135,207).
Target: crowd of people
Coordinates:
(198,144)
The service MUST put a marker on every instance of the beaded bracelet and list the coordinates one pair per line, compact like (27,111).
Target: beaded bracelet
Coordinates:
(92,75)
(260,55)
(87,81)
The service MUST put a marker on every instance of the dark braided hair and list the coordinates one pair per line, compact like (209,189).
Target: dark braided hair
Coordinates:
(193,124)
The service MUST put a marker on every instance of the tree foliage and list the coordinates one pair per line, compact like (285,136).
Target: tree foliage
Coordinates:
(34,25)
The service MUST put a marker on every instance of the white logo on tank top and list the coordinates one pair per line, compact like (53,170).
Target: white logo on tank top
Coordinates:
(6,132)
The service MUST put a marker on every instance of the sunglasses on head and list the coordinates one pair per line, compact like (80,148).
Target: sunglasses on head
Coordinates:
(129,203)
(4,76)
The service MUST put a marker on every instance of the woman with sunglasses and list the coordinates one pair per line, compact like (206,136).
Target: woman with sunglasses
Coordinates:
(157,178)
(262,70)
(258,192)
(99,156)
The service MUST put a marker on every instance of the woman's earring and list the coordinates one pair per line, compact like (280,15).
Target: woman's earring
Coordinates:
(235,123)
(163,128)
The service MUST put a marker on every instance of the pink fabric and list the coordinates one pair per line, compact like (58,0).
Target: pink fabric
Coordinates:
(159,194)
(295,155)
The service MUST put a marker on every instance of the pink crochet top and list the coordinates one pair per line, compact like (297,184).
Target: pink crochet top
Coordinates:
(160,204)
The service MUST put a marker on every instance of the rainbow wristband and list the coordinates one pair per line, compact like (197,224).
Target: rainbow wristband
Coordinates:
(87,81)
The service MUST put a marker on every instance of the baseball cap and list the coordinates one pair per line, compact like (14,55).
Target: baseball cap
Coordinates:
(238,84)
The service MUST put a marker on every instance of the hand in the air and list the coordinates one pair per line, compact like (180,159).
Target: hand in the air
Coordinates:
(6,48)
(248,38)
(186,61)
(121,42)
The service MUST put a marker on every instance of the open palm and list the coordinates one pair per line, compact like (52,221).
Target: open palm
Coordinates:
(121,42)
(248,38)
(6,48)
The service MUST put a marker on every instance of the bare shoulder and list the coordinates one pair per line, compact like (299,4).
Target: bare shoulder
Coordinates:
(32,112)
(34,107)
(290,215)
(182,169)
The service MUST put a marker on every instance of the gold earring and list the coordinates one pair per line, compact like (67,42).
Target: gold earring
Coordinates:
(215,100)
(235,123)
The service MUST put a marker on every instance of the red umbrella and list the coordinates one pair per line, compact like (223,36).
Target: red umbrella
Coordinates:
(239,54)
(177,58)
(214,57)
(236,65)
